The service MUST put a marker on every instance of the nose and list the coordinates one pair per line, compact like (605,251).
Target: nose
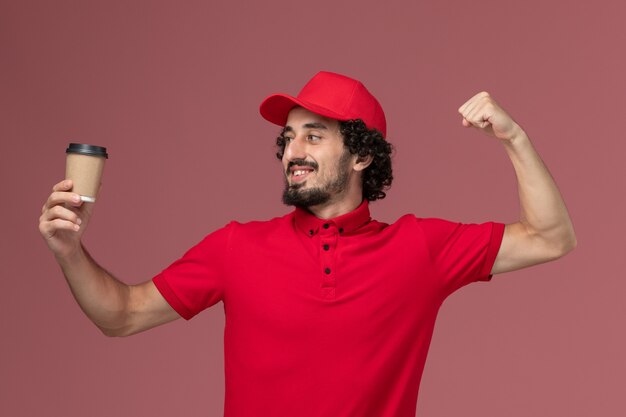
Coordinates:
(295,149)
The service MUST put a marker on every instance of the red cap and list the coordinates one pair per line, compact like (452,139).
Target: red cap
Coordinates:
(330,95)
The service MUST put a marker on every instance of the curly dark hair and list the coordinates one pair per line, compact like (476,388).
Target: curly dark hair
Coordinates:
(363,142)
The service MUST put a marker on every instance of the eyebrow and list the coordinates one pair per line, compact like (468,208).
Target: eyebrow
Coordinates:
(315,125)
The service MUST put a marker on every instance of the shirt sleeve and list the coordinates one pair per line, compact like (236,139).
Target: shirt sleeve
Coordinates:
(196,281)
(462,253)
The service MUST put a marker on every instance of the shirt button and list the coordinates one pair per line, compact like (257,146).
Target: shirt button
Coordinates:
(327,270)
(341,230)
(326,247)
(311,232)
(326,226)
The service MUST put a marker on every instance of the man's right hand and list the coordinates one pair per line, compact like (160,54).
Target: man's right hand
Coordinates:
(64,218)
(116,308)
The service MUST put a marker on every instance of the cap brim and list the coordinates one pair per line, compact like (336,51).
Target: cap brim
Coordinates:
(276,108)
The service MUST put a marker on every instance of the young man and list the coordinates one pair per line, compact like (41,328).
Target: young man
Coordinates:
(328,312)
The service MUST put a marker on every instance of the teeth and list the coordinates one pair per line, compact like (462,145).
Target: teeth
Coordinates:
(299,172)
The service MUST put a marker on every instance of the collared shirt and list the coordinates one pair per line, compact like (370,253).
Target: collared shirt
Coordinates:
(328,317)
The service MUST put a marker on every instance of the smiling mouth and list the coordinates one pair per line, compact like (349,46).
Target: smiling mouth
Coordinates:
(299,170)
(300,175)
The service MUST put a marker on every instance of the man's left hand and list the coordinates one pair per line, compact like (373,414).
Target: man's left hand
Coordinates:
(483,113)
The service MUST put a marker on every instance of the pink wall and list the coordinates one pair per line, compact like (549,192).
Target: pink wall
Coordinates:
(173,91)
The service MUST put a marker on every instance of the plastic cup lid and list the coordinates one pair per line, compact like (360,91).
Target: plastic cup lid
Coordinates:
(85,149)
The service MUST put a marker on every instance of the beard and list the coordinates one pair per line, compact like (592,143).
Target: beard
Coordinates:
(294,195)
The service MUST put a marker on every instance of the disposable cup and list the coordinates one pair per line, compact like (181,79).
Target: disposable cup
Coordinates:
(84,166)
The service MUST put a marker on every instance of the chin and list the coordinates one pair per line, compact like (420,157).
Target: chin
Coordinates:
(304,198)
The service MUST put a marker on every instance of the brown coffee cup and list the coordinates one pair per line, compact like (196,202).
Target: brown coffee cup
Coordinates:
(84,166)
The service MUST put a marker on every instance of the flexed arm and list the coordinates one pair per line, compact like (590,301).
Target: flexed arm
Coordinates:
(544,231)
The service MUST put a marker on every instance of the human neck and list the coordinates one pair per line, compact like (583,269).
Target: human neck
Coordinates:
(333,209)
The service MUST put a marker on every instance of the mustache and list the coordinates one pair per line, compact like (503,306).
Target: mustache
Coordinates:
(302,163)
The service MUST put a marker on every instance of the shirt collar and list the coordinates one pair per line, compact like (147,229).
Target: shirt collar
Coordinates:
(348,223)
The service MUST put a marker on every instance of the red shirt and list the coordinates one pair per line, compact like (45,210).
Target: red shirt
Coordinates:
(328,317)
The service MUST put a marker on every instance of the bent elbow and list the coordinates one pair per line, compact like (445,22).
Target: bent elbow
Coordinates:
(569,241)
(570,245)
(565,246)
(117,332)
(109,332)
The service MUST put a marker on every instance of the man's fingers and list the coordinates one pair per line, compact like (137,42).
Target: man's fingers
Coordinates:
(478,116)
(63,185)
(62,197)
(481,124)
(48,229)
(480,112)
(465,107)
(473,110)
(60,212)
(58,218)
(470,106)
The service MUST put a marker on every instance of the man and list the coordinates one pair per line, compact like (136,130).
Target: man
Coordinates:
(328,312)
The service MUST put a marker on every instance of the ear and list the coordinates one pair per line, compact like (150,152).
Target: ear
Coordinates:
(362,162)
